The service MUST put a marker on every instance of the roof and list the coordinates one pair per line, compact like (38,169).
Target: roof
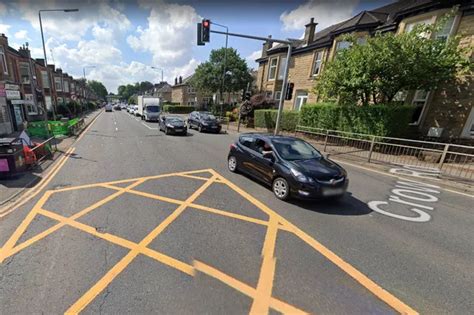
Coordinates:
(384,18)
(185,81)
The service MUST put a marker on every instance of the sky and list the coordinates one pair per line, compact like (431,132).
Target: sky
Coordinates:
(121,40)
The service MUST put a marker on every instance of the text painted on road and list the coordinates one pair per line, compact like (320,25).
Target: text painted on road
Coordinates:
(417,196)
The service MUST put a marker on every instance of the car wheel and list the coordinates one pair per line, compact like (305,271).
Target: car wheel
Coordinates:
(200,128)
(232,163)
(281,189)
(167,131)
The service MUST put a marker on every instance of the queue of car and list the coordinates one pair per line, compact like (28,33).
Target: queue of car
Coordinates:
(292,167)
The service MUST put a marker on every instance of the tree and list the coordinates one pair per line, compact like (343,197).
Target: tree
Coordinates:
(98,88)
(125,91)
(387,63)
(208,75)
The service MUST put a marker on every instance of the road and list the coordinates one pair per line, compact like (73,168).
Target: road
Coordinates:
(138,222)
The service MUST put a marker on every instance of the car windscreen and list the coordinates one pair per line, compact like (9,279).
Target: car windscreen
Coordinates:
(208,117)
(172,120)
(294,149)
(153,109)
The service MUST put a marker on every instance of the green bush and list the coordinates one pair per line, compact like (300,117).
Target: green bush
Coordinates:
(381,120)
(266,118)
(232,116)
(178,109)
(216,108)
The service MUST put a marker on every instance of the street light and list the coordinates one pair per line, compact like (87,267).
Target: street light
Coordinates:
(46,62)
(84,71)
(156,68)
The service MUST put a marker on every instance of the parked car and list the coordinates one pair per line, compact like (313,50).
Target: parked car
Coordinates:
(117,107)
(108,107)
(204,121)
(173,124)
(291,166)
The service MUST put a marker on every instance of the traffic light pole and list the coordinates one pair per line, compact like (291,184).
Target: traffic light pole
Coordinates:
(283,91)
(285,76)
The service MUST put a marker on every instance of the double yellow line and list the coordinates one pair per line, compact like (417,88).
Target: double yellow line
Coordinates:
(47,179)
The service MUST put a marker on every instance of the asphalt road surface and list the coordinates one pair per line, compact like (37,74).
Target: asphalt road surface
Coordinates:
(139,222)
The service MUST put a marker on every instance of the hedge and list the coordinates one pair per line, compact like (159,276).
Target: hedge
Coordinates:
(381,120)
(178,109)
(266,118)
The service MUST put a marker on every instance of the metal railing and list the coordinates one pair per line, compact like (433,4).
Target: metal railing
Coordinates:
(451,160)
(45,149)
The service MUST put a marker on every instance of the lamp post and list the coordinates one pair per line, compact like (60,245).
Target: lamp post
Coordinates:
(46,62)
(225,64)
(85,80)
(156,68)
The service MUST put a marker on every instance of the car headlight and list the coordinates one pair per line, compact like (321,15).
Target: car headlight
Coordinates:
(300,176)
(204,123)
(169,126)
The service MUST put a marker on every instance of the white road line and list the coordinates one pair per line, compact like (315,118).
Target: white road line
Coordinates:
(149,126)
(401,177)
(116,129)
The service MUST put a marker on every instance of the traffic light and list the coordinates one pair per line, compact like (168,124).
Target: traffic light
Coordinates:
(246,95)
(206,31)
(289,91)
(199,35)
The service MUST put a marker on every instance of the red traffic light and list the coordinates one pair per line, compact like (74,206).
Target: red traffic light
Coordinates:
(205,23)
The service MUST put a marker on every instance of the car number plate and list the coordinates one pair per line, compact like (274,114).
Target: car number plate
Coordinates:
(179,129)
(333,192)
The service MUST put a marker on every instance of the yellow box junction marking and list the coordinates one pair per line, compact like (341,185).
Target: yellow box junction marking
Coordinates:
(261,295)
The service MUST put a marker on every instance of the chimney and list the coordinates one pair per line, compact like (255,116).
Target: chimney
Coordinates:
(40,61)
(266,46)
(180,79)
(175,81)
(309,32)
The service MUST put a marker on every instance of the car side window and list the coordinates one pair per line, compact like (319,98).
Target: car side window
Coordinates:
(261,145)
(247,141)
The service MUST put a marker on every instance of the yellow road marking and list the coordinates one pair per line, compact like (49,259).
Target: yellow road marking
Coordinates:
(165,259)
(45,181)
(123,181)
(84,300)
(244,288)
(196,206)
(370,285)
(14,238)
(263,294)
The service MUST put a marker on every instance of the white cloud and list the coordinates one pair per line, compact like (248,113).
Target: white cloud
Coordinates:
(4,29)
(74,25)
(169,35)
(22,35)
(251,58)
(325,13)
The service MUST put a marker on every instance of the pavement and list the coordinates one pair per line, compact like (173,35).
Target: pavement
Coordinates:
(12,188)
(134,221)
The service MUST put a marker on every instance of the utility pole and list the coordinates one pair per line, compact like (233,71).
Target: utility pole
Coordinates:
(225,64)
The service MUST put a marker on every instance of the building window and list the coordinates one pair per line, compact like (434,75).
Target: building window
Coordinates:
(24,73)
(3,60)
(73,88)
(66,86)
(190,103)
(272,69)
(344,44)
(268,94)
(191,89)
(446,30)
(277,95)
(361,40)
(45,79)
(318,59)
(57,84)
(419,100)
(410,26)
(49,104)
(281,68)
(301,99)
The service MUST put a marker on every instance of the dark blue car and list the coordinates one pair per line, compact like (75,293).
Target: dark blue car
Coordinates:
(291,166)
